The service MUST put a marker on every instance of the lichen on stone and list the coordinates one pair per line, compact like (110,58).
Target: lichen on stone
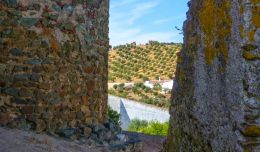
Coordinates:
(215,22)
(250,56)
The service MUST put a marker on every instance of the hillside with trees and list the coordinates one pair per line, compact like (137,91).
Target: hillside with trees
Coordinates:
(137,63)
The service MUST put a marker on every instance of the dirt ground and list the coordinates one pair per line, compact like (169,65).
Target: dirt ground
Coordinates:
(12,140)
(150,143)
(22,141)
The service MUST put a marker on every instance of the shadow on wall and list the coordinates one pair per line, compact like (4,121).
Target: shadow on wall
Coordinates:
(124,117)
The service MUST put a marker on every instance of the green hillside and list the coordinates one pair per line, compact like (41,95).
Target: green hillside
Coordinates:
(141,62)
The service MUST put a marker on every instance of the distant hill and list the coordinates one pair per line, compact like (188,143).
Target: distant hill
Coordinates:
(136,63)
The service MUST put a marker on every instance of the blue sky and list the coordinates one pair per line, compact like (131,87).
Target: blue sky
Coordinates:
(144,20)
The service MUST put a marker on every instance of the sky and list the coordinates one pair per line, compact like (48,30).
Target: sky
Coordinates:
(143,20)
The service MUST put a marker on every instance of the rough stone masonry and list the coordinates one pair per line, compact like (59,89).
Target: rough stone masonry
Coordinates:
(216,97)
(53,64)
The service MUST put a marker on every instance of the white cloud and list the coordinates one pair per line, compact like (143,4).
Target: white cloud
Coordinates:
(161,21)
(166,20)
(122,3)
(140,10)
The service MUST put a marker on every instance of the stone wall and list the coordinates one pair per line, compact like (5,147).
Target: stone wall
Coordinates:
(216,97)
(53,64)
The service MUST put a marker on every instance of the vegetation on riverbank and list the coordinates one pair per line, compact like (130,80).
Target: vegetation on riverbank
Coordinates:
(140,92)
(151,128)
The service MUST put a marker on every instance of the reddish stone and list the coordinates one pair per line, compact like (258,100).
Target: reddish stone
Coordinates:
(75,87)
(44,86)
(84,100)
(85,109)
(47,9)
(91,85)
(2,84)
(37,69)
(5,119)
(89,70)
(27,109)
(47,32)
(54,45)
(40,125)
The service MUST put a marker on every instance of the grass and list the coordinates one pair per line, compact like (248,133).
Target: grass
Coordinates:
(151,128)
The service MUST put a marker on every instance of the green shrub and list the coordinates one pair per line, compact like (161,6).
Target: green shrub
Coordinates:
(123,94)
(113,116)
(146,90)
(155,93)
(157,86)
(152,127)
(121,87)
(115,86)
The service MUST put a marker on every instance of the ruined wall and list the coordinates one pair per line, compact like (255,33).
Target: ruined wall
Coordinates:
(216,97)
(53,64)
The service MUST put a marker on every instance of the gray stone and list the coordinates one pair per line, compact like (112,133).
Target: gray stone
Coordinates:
(68,133)
(11,3)
(12,92)
(34,61)
(69,8)
(7,32)
(16,52)
(122,137)
(19,68)
(53,98)
(21,77)
(23,125)
(56,7)
(35,77)
(28,22)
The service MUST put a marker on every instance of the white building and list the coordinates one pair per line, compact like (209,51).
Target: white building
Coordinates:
(167,85)
(148,84)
